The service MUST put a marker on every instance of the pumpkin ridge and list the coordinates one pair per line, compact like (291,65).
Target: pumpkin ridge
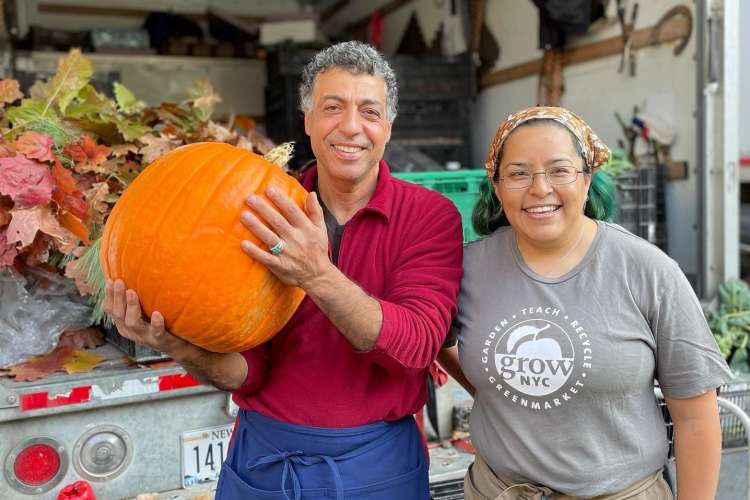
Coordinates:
(225,247)
(228,171)
(165,211)
(115,213)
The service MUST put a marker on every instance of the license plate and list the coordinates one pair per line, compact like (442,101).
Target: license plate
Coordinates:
(203,452)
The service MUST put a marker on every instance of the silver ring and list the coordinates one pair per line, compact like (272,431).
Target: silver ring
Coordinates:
(278,247)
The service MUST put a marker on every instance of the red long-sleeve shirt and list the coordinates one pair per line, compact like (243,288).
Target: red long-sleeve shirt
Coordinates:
(405,250)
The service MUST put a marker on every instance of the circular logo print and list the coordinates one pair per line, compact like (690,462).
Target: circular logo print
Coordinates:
(535,357)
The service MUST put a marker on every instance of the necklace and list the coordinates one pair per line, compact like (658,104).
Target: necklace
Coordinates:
(562,259)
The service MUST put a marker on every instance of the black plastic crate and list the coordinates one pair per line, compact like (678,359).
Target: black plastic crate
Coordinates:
(431,118)
(289,59)
(434,77)
(133,350)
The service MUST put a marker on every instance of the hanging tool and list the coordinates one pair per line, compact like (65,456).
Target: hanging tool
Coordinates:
(674,12)
(627,30)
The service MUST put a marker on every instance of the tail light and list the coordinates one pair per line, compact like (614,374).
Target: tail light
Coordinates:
(36,465)
(102,453)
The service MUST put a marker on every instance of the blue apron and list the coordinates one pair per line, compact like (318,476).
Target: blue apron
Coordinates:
(274,460)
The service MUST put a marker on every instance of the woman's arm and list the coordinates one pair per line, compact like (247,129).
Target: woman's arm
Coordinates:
(697,443)
(448,359)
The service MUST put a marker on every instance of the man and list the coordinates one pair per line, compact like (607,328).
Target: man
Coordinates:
(327,404)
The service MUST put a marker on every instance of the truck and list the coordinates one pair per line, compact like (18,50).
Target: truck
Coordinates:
(130,428)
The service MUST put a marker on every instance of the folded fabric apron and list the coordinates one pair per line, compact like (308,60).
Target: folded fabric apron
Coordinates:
(270,459)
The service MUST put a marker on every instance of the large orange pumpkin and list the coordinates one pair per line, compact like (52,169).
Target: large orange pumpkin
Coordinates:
(174,237)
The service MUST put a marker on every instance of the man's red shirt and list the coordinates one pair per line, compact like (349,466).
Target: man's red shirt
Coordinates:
(405,250)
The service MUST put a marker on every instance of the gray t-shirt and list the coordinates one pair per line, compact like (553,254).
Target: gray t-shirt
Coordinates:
(564,368)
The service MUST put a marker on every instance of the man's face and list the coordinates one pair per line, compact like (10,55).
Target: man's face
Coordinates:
(347,124)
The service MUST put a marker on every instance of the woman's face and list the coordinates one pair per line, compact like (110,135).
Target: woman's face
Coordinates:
(543,213)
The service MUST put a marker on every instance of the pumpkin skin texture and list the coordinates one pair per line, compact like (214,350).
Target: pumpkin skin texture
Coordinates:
(174,237)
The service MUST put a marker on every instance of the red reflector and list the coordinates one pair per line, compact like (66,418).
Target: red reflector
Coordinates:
(176,381)
(36,464)
(38,400)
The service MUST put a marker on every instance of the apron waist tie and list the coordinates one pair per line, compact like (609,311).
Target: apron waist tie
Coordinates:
(289,458)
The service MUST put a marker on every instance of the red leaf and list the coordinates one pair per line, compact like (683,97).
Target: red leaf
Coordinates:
(26,181)
(41,366)
(75,226)
(26,222)
(68,195)
(86,153)
(36,146)
(73,203)
(8,251)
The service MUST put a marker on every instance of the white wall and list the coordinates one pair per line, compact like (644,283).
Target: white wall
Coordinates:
(664,84)
(745,78)
(429,17)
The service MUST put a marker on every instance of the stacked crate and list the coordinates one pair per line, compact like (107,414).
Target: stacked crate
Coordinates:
(433,116)
(641,203)
(434,98)
(284,120)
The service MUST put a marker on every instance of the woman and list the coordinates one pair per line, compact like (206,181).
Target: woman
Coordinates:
(564,324)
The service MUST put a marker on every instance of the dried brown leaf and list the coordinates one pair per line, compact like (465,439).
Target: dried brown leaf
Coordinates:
(10,91)
(156,147)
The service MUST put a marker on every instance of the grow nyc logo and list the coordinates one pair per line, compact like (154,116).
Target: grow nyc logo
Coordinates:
(538,358)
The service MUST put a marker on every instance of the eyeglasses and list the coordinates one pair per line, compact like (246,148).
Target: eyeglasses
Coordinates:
(519,178)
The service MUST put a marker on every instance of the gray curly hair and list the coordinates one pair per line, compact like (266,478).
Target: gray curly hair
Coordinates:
(357,58)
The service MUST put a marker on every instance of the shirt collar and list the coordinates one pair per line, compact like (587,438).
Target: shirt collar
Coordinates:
(381,201)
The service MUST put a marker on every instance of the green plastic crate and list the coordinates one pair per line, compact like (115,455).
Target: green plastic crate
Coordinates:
(460,186)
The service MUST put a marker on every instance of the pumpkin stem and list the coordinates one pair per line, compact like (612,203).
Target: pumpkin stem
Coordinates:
(91,269)
(280,155)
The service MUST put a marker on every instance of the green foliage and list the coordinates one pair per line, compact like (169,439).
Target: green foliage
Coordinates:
(730,323)
(33,115)
(618,164)
(73,73)
(126,101)
(90,269)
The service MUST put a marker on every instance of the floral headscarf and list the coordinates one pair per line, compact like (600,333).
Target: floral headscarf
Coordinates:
(595,151)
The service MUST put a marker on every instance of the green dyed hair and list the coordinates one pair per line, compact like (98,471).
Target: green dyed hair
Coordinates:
(488,215)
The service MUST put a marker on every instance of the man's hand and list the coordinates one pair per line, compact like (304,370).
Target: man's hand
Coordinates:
(125,309)
(304,256)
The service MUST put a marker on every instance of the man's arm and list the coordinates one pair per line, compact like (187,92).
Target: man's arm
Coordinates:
(408,323)
(355,314)
(697,444)
(224,371)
